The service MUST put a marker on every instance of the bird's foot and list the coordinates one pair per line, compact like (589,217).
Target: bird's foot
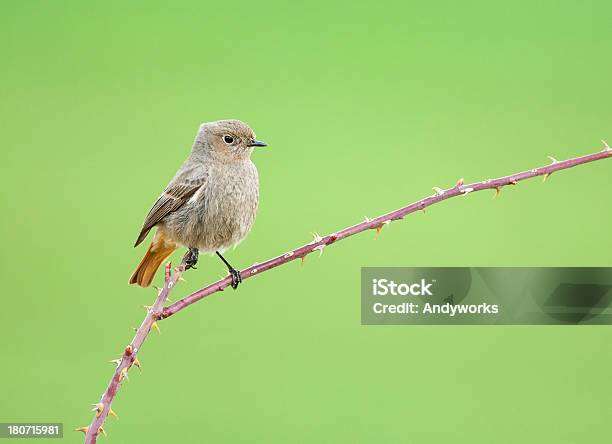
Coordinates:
(236,278)
(191,258)
(235,274)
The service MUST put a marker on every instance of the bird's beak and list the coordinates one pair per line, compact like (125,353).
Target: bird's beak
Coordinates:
(257,143)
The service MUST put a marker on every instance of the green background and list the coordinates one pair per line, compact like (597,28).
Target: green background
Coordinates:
(365,107)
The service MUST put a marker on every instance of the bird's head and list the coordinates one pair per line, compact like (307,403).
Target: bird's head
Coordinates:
(228,140)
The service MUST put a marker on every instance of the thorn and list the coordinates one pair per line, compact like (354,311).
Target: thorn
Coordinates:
(156,327)
(82,429)
(552,159)
(467,190)
(182,279)
(459,182)
(137,364)
(438,191)
(380,227)
(254,270)
(288,254)
(116,361)
(366,219)
(606,146)
(147,307)
(497,192)
(135,328)
(123,374)
(129,349)
(545,177)
(303,258)
(378,230)
(316,237)
(112,413)
(101,429)
(99,408)
(320,248)
(513,182)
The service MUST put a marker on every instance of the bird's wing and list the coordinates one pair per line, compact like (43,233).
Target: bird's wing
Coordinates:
(179,191)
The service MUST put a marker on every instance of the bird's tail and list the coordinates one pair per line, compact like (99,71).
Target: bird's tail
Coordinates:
(158,252)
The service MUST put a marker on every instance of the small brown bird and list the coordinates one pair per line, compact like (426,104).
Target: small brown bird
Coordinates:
(209,205)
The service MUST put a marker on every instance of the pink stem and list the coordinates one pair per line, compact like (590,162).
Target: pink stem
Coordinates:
(129,354)
(157,312)
(378,222)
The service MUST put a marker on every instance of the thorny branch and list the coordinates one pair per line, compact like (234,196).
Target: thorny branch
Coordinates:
(128,358)
(157,312)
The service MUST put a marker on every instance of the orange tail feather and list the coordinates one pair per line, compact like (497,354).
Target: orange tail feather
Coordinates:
(157,253)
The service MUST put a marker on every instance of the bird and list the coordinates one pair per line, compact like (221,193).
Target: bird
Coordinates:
(211,203)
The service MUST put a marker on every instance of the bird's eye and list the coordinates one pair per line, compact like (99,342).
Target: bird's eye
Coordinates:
(228,139)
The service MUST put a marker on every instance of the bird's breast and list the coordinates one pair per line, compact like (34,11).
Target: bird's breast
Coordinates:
(221,213)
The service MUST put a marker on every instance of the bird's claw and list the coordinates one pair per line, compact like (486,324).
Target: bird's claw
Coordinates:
(191,258)
(236,278)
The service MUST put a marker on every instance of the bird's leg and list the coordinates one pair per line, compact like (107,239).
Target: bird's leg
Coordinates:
(236,278)
(191,258)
